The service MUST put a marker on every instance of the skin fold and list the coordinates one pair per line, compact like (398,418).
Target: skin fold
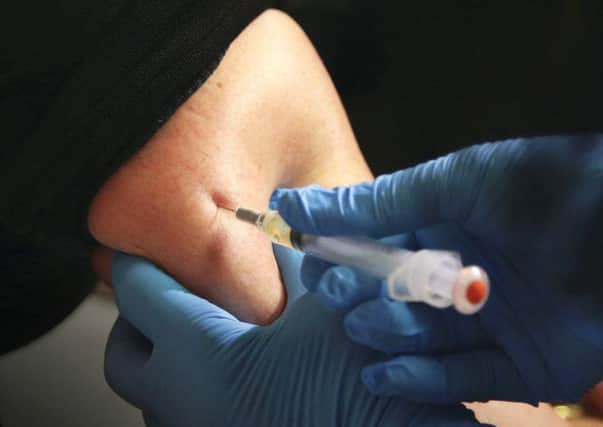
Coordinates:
(269,116)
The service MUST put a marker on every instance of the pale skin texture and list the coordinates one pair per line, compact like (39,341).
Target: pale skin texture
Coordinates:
(269,116)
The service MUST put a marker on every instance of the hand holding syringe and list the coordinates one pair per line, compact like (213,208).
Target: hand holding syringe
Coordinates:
(435,277)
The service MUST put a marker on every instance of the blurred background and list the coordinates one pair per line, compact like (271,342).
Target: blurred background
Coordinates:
(418,81)
(422,78)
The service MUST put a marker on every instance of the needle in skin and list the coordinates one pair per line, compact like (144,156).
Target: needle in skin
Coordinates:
(245,215)
(222,201)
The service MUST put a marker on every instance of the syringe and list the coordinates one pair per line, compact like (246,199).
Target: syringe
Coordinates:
(432,276)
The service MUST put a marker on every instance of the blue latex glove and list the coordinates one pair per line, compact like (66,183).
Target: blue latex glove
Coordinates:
(531,213)
(186,362)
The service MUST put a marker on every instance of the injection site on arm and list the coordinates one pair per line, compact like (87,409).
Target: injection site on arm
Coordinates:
(217,147)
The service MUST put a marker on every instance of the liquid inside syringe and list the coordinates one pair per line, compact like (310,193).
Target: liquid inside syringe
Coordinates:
(435,277)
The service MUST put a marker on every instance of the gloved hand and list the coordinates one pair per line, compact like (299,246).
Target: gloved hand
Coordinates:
(530,212)
(186,362)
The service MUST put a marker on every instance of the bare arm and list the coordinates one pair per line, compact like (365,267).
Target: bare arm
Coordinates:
(268,116)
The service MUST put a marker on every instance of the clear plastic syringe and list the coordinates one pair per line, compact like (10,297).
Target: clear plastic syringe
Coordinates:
(435,277)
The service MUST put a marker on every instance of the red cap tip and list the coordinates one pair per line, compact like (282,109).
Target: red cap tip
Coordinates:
(476,292)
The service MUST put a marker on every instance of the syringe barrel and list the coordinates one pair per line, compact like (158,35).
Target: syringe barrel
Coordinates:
(426,275)
(361,253)
(435,277)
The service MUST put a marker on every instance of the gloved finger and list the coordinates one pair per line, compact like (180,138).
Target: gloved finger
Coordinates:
(289,263)
(475,376)
(403,201)
(158,306)
(445,416)
(312,270)
(341,288)
(396,327)
(126,355)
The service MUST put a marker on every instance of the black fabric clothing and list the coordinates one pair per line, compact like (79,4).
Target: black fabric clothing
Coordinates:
(83,85)
(423,78)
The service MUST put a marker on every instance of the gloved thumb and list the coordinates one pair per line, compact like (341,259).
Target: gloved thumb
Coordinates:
(392,204)
(407,200)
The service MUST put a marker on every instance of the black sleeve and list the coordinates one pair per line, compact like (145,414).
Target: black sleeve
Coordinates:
(83,85)
(40,285)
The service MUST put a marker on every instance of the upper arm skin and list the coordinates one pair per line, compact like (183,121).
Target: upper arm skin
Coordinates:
(268,116)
